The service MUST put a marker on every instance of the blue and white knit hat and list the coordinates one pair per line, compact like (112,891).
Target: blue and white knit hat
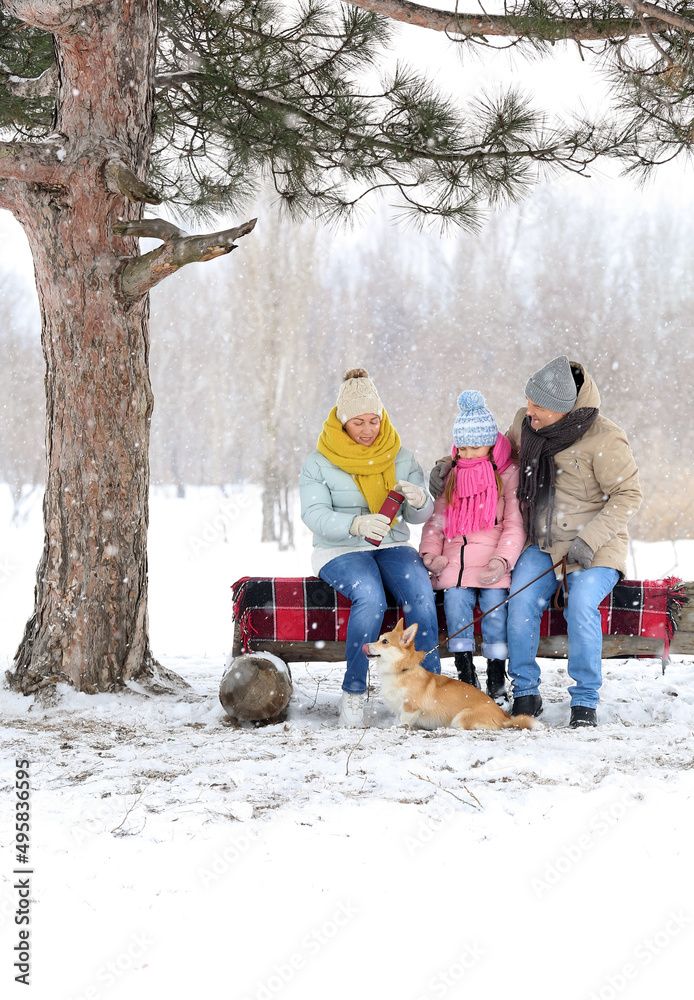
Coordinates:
(474,427)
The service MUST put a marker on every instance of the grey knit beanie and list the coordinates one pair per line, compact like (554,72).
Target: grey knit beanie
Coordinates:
(553,386)
(357,395)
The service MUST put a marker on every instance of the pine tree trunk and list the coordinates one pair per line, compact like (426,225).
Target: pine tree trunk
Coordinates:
(89,624)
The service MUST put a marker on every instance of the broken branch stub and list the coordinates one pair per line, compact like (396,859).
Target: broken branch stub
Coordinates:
(140,274)
(120,179)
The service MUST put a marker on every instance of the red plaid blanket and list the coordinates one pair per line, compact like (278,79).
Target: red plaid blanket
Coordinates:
(305,609)
(634,607)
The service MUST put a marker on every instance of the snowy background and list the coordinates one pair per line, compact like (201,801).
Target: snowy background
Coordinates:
(175,854)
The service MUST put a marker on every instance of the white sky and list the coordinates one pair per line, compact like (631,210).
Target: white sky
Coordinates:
(558,82)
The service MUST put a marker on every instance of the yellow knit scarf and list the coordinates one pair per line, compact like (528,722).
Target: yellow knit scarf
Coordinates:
(373,468)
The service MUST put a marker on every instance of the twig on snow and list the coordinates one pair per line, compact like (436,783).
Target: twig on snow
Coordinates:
(356,745)
(117,828)
(437,784)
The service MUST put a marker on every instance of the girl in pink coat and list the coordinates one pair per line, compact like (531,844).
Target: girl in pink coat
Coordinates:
(471,542)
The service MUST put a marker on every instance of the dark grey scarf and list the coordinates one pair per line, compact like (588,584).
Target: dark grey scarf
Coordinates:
(537,451)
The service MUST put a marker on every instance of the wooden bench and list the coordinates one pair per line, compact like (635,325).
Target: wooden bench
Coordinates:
(277,616)
(551,646)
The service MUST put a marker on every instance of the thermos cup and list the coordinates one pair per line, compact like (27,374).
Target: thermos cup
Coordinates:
(390,507)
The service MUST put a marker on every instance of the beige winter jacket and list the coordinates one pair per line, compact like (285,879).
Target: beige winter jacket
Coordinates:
(596,487)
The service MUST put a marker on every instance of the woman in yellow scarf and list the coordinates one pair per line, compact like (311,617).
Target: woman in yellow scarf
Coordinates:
(343,484)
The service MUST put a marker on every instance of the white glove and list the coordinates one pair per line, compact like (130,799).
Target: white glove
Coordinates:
(370,526)
(415,495)
(496,568)
(435,564)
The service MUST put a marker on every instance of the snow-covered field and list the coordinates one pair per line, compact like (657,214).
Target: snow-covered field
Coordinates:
(175,854)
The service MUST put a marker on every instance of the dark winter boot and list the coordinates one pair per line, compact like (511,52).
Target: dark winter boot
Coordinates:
(527,704)
(582,716)
(496,680)
(466,668)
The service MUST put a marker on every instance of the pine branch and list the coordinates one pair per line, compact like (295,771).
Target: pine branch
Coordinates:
(252,88)
(56,16)
(178,78)
(661,14)
(141,274)
(400,150)
(291,104)
(31,87)
(656,44)
(548,28)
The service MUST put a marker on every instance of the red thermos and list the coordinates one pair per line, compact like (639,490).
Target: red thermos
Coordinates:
(390,507)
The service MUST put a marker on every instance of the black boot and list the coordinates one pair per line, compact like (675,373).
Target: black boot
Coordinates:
(466,668)
(582,716)
(527,704)
(496,680)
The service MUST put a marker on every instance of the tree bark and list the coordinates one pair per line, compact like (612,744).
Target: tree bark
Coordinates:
(89,625)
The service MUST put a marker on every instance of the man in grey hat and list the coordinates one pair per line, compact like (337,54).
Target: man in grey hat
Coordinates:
(578,489)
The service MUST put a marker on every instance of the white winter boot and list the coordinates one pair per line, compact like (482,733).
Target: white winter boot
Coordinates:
(351,710)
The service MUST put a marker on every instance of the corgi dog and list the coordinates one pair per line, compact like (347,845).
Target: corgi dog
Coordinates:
(425,700)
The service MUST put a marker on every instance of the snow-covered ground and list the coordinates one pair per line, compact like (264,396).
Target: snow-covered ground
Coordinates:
(176,854)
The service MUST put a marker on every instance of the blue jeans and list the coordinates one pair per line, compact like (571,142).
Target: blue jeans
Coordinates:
(362,576)
(587,587)
(459,605)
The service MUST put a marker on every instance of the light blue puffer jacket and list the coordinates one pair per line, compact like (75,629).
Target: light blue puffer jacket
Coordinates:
(331,499)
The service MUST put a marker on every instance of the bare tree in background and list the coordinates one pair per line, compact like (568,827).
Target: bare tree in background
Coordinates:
(22,459)
(555,274)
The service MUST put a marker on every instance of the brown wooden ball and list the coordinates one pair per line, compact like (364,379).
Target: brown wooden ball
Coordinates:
(254,688)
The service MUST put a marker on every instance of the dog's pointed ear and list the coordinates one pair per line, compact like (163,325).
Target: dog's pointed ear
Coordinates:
(409,634)
(400,626)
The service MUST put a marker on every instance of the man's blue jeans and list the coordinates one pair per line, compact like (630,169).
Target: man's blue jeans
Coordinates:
(459,604)
(587,588)
(362,576)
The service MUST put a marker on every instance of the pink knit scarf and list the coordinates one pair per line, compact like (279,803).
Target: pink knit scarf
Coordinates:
(476,495)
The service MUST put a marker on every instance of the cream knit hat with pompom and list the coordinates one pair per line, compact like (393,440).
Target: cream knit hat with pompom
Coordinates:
(357,395)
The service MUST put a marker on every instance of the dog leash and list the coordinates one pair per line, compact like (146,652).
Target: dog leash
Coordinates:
(559,600)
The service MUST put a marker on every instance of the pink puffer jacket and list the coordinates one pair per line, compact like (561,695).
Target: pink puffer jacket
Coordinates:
(473,552)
